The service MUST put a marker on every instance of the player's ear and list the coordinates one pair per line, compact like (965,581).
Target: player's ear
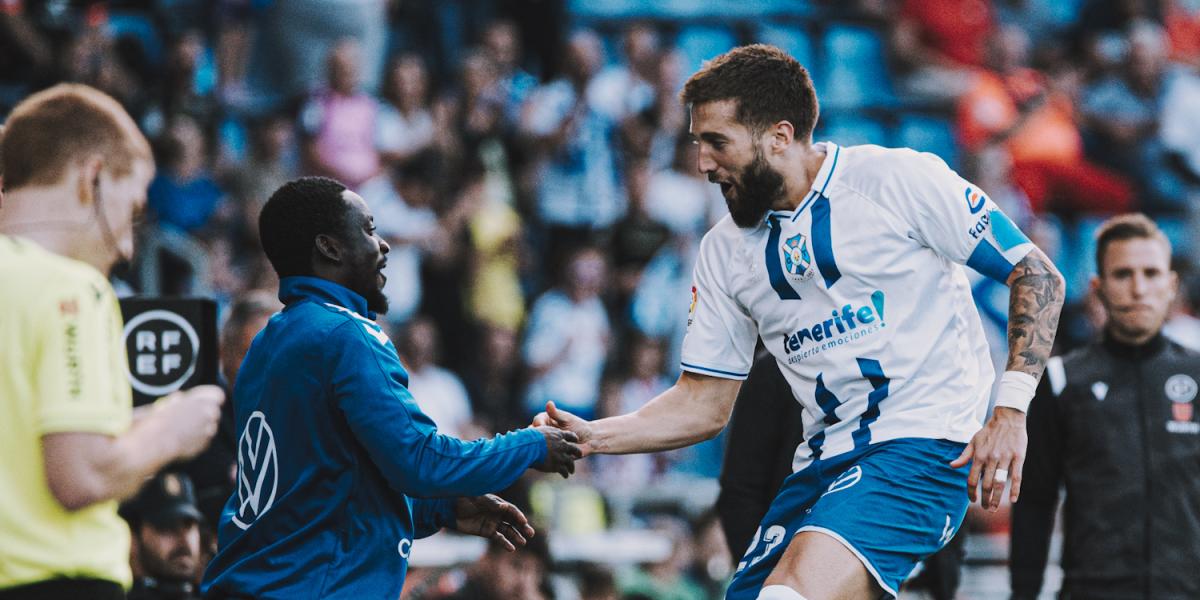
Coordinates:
(88,178)
(328,247)
(782,135)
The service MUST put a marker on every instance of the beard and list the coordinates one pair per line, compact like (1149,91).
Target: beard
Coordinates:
(369,284)
(754,193)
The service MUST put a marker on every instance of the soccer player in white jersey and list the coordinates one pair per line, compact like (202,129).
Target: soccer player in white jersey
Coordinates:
(846,261)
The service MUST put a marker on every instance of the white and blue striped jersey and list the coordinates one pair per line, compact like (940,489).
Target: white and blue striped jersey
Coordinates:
(861,297)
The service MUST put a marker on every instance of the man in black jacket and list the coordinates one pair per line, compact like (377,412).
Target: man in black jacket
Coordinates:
(1115,422)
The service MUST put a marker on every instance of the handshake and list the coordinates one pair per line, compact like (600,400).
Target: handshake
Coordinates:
(567,439)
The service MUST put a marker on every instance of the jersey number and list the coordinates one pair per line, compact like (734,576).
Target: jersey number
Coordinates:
(770,540)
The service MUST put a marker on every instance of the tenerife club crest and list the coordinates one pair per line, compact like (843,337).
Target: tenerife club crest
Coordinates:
(796,258)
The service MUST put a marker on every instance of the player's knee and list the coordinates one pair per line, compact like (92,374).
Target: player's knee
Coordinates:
(779,592)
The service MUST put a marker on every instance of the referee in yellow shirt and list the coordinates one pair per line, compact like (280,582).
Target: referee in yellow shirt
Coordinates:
(75,170)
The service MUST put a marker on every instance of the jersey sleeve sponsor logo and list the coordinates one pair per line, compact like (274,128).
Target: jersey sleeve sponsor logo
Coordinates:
(975,199)
(845,325)
(258,470)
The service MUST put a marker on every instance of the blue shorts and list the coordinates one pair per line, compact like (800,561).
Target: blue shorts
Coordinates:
(892,504)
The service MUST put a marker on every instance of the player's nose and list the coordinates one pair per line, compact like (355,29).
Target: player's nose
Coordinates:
(705,164)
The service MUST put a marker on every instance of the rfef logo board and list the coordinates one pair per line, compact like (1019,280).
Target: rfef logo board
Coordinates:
(171,344)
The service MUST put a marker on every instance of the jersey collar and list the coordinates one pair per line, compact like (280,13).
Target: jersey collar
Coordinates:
(299,288)
(824,175)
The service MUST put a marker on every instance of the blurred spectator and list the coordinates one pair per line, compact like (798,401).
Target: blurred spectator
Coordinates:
(637,237)
(504,575)
(1182,21)
(339,121)
(567,339)
(597,582)
(626,89)
(577,182)
(667,579)
(294,40)
(494,380)
(668,115)
(495,228)
(184,194)
(939,43)
(514,84)
(1179,128)
(75,172)
(26,54)
(187,85)
(438,392)
(712,564)
(1014,107)
(1121,113)
(405,121)
(1183,323)
(251,182)
(681,197)
(660,303)
(165,525)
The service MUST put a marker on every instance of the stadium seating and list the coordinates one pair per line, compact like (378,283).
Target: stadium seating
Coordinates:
(698,43)
(855,69)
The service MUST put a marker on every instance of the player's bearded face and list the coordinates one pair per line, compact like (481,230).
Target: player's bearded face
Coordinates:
(366,255)
(753,191)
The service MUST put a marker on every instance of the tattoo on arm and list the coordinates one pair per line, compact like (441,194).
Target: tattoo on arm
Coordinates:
(1036,293)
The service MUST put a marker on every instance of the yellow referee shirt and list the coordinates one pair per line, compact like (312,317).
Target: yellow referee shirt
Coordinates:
(62,369)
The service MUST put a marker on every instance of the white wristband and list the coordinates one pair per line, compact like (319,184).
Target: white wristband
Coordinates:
(1016,390)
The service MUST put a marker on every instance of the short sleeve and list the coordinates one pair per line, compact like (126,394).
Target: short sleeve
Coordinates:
(720,335)
(953,217)
(80,369)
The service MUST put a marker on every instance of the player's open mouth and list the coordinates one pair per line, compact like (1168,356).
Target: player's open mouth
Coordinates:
(381,276)
(725,187)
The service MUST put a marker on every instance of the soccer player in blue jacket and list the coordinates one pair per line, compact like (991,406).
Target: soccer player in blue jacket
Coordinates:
(338,469)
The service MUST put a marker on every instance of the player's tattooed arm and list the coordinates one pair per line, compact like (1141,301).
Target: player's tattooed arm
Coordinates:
(1036,297)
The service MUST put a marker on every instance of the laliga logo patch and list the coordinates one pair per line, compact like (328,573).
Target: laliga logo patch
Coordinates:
(258,470)
(796,258)
(692,308)
(163,348)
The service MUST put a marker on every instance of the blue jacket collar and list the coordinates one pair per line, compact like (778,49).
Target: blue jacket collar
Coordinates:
(299,288)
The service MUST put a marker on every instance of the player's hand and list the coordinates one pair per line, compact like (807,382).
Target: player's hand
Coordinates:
(561,451)
(189,418)
(999,445)
(490,517)
(557,417)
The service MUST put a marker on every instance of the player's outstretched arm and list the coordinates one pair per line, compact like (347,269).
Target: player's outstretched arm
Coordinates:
(1036,297)
(695,409)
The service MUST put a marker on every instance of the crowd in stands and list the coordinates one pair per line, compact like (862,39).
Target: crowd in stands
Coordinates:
(529,165)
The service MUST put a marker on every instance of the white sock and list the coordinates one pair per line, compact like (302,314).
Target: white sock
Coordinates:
(779,592)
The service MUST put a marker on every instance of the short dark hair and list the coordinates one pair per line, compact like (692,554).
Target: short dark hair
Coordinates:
(1126,227)
(294,216)
(767,83)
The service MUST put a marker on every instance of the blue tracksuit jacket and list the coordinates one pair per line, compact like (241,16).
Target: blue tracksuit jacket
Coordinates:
(338,469)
